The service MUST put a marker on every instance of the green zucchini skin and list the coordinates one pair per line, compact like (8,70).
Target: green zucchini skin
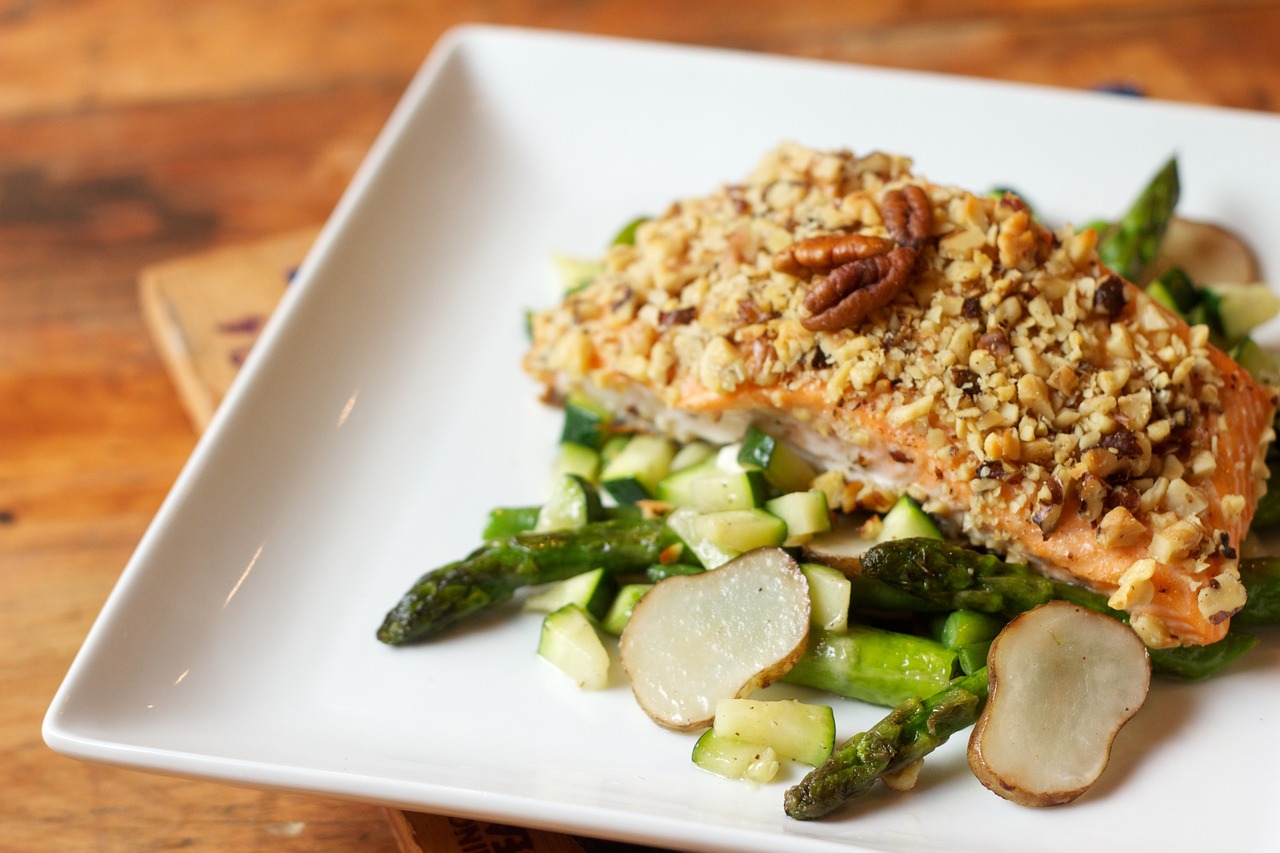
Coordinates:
(906,520)
(585,423)
(782,466)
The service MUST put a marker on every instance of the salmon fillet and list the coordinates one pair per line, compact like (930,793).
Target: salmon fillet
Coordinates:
(1029,398)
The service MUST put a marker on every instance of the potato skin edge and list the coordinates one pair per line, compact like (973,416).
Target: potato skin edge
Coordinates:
(989,778)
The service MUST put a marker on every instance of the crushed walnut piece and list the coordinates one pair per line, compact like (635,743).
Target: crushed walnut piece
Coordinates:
(1036,402)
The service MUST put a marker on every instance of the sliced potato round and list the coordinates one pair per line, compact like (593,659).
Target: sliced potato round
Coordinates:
(696,639)
(1208,253)
(1064,680)
(841,548)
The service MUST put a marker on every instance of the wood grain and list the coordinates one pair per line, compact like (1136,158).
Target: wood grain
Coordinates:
(156,50)
(206,312)
(133,132)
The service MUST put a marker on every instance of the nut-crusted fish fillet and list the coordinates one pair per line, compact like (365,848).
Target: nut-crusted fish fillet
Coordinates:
(1003,377)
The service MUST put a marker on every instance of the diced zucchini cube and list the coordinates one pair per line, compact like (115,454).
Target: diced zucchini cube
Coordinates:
(691,454)
(1243,307)
(782,466)
(626,491)
(612,447)
(829,596)
(645,459)
(906,520)
(507,521)
(707,487)
(573,502)
(619,613)
(574,458)
(795,730)
(683,521)
(592,591)
(624,512)
(735,759)
(727,490)
(741,529)
(570,643)
(1262,364)
(804,512)
(586,422)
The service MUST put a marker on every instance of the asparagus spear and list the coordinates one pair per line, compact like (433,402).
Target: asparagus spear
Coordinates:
(959,578)
(876,596)
(1133,242)
(916,727)
(873,665)
(491,574)
(906,734)
(955,577)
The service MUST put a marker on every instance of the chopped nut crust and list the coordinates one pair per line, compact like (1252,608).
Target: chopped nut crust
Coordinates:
(1022,391)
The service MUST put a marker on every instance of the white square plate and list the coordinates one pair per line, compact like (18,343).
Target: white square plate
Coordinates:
(384,412)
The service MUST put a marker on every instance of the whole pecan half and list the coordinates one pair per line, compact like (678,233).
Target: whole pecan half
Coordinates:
(828,251)
(851,291)
(908,214)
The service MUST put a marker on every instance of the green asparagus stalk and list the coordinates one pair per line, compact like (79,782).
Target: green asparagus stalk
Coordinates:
(1131,244)
(873,665)
(907,734)
(955,577)
(916,727)
(491,574)
(875,596)
(959,578)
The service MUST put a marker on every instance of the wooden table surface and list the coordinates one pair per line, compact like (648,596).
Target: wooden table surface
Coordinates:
(133,131)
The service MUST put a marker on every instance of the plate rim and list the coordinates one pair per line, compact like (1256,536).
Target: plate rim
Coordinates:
(68,741)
